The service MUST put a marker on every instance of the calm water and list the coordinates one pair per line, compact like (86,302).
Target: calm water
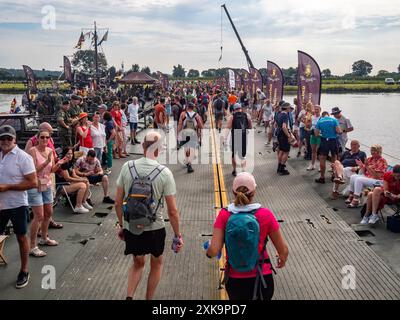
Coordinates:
(375,117)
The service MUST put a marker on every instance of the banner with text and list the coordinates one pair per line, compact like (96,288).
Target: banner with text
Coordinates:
(274,82)
(256,80)
(30,78)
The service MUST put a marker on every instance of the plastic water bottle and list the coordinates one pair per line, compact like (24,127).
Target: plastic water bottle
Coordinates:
(207,244)
(175,242)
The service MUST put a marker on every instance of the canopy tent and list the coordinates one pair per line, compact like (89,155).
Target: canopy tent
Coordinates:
(136,78)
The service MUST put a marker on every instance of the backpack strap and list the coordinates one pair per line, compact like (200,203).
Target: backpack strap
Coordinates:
(133,170)
(154,174)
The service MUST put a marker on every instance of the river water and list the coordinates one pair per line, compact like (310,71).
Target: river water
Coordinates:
(375,117)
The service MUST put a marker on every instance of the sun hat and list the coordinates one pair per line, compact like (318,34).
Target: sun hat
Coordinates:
(83,115)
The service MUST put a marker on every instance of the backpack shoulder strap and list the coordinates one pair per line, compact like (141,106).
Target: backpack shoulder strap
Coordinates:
(154,174)
(133,170)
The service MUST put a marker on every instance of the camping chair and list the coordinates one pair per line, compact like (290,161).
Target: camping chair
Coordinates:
(2,241)
(63,196)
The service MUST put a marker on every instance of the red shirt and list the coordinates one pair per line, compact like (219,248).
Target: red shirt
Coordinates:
(117,115)
(394,186)
(379,165)
(159,112)
(268,224)
(85,142)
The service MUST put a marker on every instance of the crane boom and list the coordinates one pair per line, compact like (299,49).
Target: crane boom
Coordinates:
(249,62)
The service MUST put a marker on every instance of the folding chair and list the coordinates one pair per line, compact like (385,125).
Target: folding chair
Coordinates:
(2,241)
(61,193)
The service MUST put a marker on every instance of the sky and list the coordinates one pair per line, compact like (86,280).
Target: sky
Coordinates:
(164,33)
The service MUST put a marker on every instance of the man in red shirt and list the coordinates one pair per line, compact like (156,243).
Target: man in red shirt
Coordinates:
(388,194)
(160,115)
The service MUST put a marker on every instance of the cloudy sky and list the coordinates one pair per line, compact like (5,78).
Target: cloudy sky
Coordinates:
(163,33)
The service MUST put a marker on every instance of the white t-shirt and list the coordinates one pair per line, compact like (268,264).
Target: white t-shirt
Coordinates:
(133,110)
(13,167)
(98,136)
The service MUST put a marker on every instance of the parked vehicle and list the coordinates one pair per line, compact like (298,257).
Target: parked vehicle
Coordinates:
(389,81)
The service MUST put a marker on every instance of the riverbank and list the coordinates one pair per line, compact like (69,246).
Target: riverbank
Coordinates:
(19,88)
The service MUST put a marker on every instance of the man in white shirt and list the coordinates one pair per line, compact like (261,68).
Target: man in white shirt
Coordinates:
(133,110)
(18,174)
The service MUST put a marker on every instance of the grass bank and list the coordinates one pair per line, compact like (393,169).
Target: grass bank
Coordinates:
(352,88)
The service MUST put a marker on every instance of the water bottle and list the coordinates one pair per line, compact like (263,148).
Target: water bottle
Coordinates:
(175,242)
(207,244)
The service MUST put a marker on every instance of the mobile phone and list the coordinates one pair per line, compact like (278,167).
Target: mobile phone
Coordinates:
(388,194)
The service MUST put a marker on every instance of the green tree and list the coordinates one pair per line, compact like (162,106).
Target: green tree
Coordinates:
(84,61)
(398,68)
(382,73)
(326,73)
(112,73)
(146,70)
(362,68)
(135,68)
(193,73)
(179,72)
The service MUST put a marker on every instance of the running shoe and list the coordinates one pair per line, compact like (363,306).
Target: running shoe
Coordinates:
(374,218)
(22,280)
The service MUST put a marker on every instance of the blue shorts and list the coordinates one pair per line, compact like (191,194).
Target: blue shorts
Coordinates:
(302,133)
(19,220)
(133,125)
(36,198)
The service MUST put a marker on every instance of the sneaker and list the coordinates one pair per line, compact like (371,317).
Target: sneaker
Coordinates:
(190,169)
(81,210)
(374,218)
(365,220)
(310,167)
(87,206)
(108,200)
(107,171)
(22,280)
(36,252)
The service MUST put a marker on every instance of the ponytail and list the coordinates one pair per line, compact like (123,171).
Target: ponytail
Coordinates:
(242,198)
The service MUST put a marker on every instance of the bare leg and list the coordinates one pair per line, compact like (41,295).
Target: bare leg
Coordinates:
(38,217)
(156,265)
(48,212)
(369,204)
(104,182)
(322,165)
(376,198)
(135,274)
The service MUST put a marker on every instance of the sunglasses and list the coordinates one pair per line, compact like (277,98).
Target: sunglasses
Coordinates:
(8,138)
(44,137)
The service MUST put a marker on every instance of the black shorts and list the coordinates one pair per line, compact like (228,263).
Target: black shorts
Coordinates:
(95,179)
(219,116)
(243,288)
(283,143)
(19,220)
(149,242)
(328,146)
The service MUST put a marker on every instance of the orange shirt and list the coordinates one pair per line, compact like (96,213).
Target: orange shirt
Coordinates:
(232,99)
(159,111)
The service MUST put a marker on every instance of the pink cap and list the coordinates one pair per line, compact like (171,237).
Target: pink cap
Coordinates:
(244,179)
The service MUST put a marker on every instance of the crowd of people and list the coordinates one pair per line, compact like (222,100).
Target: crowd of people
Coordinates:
(144,185)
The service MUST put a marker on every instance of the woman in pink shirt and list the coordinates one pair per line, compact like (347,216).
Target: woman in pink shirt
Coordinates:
(244,285)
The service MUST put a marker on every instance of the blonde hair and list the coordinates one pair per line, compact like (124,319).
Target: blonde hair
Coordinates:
(309,107)
(242,197)
(377,147)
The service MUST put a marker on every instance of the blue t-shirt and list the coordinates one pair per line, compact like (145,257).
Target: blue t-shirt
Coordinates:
(109,126)
(327,127)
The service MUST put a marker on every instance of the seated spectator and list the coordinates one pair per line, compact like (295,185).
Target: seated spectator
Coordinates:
(380,196)
(89,167)
(76,184)
(347,166)
(372,174)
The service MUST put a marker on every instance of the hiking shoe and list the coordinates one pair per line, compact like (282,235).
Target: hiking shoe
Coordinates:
(234,173)
(365,220)
(81,210)
(108,200)
(22,280)
(374,218)
(87,206)
(190,169)
(283,172)
(320,180)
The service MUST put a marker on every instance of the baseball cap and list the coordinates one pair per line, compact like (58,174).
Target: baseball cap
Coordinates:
(7,131)
(244,179)
(102,106)
(237,106)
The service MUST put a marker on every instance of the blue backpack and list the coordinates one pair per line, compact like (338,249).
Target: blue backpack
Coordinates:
(242,234)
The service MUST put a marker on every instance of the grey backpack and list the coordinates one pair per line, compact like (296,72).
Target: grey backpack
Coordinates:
(140,206)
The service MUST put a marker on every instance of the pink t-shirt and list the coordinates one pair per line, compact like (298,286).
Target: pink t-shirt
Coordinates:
(268,224)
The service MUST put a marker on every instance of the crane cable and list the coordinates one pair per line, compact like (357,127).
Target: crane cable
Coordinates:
(220,58)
